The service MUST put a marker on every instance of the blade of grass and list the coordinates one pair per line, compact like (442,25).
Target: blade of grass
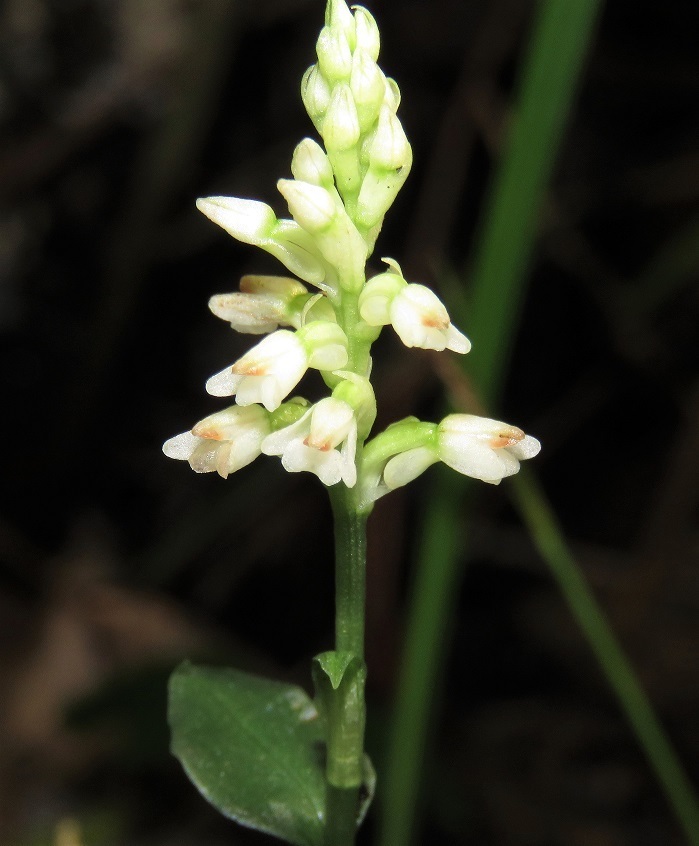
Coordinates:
(561,33)
(548,538)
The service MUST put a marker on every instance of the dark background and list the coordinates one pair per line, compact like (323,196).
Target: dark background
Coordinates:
(115,562)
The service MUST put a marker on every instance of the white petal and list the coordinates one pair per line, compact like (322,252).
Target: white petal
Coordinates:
(331,421)
(228,424)
(243,450)
(406,466)
(328,357)
(420,318)
(247,220)
(277,442)
(493,432)
(510,465)
(223,384)
(457,341)
(326,465)
(471,457)
(526,448)
(270,370)
(181,446)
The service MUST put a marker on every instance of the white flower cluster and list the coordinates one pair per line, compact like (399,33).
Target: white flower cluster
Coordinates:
(337,200)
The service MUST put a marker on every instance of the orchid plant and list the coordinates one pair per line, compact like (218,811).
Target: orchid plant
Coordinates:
(263,752)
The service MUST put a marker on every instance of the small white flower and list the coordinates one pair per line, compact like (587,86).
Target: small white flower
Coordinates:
(223,442)
(261,305)
(323,441)
(266,374)
(421,320)
(482,448)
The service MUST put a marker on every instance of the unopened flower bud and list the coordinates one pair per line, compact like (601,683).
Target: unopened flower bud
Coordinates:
(368,88)
(311,206)
(341,123)
(389,160)
(336,236)
(310,164)
(391,97)
(334,55)
(315,93)
(389,148)
(338,17)
(367,30)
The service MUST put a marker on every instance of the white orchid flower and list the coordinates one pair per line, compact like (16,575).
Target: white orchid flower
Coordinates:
(272,368)
(415,312)
(421,320)
(482,448)
(266,374)
(223,442)
(323,441)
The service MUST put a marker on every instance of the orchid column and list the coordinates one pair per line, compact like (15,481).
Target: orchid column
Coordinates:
(337,199)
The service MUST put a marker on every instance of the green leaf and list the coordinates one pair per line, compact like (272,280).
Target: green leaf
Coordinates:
(253,747)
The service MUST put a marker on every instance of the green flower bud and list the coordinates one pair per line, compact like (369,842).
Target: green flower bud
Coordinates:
(311,206)
(391,97)
(389,147)
(341,132)
(368,88)
(334,55)
(368,37)
(339,18)
(341,123)
(389,159)
(315,93)
(335,235)
(310,164)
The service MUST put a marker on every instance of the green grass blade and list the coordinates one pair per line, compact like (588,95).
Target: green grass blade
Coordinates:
(548,538)
(561,34)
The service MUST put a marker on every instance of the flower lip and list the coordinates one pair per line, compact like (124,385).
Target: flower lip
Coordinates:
(323,441)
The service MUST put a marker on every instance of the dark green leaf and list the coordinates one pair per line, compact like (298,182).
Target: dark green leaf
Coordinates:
(253,747)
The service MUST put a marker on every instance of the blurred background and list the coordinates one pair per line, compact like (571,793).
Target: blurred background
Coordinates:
(116,563)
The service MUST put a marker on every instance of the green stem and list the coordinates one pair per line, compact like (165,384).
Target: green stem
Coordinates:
(350,571)
(350,587)
(663,759)
(341,822)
